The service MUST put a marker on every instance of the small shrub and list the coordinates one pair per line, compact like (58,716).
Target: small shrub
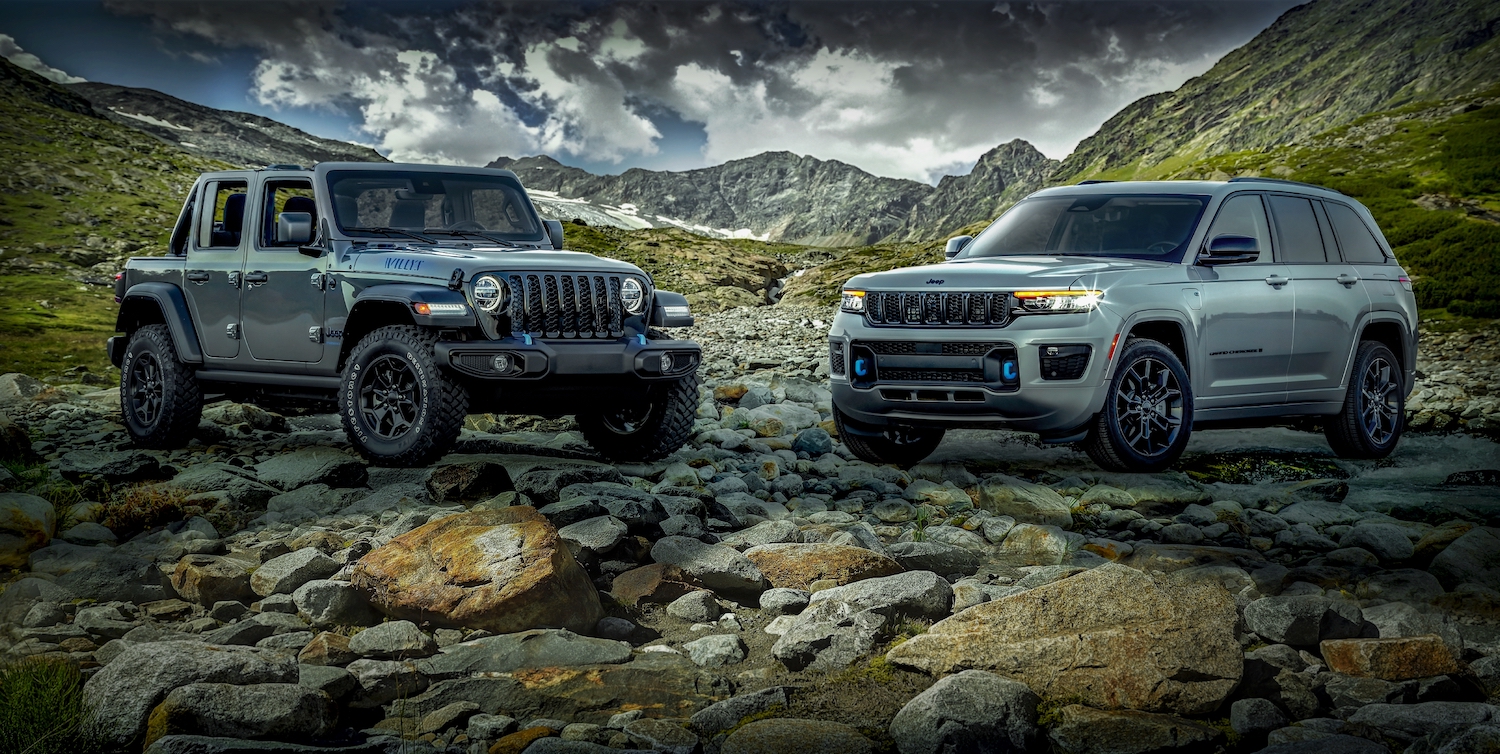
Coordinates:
(42,709)
(1049,712)
(143,506)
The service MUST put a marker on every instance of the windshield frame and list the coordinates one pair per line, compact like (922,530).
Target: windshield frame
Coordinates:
(1178,253)
(355,232)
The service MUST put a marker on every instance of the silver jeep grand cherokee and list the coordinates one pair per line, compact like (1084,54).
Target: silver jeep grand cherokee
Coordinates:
(1125,315)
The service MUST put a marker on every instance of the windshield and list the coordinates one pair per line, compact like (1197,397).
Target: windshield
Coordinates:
(472,207)
(1139,226)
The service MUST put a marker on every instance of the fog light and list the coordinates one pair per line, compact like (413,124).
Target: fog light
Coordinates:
(666,362)
(501,363)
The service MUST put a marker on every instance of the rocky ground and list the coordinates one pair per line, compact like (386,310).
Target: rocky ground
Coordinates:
(761,590)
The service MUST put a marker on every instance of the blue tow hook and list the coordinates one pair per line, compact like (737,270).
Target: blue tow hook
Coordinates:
(861,368)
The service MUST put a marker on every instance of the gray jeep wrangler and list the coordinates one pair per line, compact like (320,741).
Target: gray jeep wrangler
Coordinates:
(405,295)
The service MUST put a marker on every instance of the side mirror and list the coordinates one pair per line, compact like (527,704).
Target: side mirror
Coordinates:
(554,232)
(1228,248)
(955,245)
(293,228)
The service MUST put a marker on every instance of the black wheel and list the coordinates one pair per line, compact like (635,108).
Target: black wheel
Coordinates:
(1374,413)
(900,446)
(160,399)
(397,407)
(1148,413)
(650,430)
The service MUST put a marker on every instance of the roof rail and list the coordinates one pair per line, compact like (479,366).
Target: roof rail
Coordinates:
(1092,181)
(283,166)
(1253,179)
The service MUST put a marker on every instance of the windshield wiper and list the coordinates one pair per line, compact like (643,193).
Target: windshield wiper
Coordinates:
(390,231)
(485,236)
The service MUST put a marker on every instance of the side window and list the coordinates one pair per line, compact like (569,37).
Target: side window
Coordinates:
(184,228)
(1355,239)
(284,196)
(223,216)
(1244,215)
(1297,230)
(1326,230)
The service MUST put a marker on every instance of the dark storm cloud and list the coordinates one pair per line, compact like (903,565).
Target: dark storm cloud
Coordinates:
(899,88)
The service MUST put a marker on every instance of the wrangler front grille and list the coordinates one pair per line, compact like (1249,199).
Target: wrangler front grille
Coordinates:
(565,305)
(951,309)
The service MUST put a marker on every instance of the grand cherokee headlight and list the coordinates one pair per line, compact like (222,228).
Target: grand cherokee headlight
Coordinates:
(633,296)
(853,302)
(1057,302)
(490,295)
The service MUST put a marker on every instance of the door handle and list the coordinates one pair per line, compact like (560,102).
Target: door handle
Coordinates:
(197,276)
(1276,281)
(257,278)
(1347,280)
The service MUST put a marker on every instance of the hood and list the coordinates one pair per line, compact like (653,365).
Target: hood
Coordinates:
(1001,274)
(419,260)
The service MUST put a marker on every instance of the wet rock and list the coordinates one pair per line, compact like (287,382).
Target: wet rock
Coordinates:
(793,736)
(718,568)
(280,711)
(1025,502)
(915,594)
(1084,730)
(208,579)
(797,566)
(1398,659)
(27,523)
(507,653)
(969,711)
(396,640)
(503,571)
(1114,637)
(1473,558)
(283,574)
(1303,621)
(133,683)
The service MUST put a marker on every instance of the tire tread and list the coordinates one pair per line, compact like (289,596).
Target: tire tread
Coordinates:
(182,401)
(450,401)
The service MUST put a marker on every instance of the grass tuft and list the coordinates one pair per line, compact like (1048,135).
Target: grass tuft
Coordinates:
(42,709)
(144,506)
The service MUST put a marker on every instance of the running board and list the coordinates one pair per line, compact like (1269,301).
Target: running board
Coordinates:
(317,382)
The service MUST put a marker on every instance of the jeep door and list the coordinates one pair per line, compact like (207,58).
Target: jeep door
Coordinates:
(1329,296)
(1246,332)
(282,302)
(215,255)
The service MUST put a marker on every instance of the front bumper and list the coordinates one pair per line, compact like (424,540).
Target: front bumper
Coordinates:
(906,393)
(531,359)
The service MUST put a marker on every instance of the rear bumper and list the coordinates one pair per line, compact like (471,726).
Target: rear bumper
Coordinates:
(532,359)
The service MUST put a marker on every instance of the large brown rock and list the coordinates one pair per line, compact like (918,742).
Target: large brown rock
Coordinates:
(502,570)
(206,579)
(1400,659)
(1082,730)
(793,736)
(657,583)
(27,523)
(797,566)
(1112,638)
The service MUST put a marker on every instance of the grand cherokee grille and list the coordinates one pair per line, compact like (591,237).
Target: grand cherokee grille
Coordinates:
(926,309)
(566,305)
(898,347)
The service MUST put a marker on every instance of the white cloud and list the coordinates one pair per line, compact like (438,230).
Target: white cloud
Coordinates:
(13,52)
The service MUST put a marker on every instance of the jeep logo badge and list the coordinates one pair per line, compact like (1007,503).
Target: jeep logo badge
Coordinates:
(935,281)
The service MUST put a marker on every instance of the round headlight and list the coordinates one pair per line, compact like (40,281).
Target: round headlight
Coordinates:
(633,296)
(489,294)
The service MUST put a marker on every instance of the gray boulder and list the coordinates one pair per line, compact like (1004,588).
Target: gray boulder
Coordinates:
(719,568)
(1253,717)
(915,594)
(970,711)
(695,607)
(507,653)
(1303,621)
(282,575)
(398,639)
(108,465)
(599,534)
(314,465)
(123,694)
(727,714)
(327,603)
(382,681)
(829,635)
(716,650)
(938,557)
(1473,558)
(334,681)
(282,711)
(784,601)
(1387,541)
(1409,722)
(764,533)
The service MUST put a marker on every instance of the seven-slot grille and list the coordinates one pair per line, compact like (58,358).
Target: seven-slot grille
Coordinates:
(566,305)
(938,309)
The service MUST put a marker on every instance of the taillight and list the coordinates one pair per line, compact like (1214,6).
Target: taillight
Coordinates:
(1405,282)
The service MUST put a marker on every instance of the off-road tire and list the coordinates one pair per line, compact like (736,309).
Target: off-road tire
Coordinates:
(1347,431)
(651,433)
(175,397)
(917,445)
(1109,443)
(437,403)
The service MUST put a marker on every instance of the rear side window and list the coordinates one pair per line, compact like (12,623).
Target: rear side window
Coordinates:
(1297,230)
(223,215)
(1244,215)
(1355,239)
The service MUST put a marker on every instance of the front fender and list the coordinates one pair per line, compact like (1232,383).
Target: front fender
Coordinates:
(172,305)
(411,294)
